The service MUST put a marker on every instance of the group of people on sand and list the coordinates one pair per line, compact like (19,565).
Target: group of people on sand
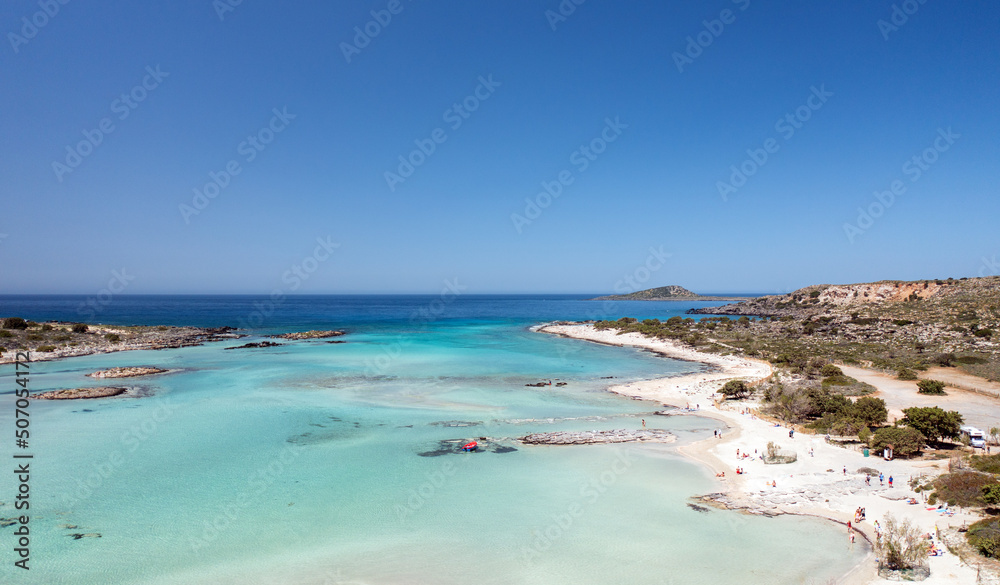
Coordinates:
(859,515)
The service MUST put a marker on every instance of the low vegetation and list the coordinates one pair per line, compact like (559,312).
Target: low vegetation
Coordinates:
(964,488)
(985,536)
(894,326)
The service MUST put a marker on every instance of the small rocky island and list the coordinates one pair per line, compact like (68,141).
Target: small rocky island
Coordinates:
(82,393)
(255,344)
(127,372)
(667,293)
(314,334)
(599,437)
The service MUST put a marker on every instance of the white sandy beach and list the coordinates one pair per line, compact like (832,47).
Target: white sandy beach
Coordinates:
(815,484)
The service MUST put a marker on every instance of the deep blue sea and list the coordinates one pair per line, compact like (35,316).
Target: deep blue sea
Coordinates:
(261,312)
(315,463)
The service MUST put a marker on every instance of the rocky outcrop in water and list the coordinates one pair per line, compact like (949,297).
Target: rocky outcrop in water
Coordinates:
(82,393)
(314,334)
(255,344)
(599,437)
(126,372)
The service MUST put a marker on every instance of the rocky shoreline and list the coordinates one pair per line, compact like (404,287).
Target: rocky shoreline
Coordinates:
(56,340)
(53,340)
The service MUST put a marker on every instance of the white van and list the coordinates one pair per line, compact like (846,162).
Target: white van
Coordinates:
(977,438)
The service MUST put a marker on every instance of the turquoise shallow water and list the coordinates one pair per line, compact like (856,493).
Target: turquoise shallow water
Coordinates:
(322,463)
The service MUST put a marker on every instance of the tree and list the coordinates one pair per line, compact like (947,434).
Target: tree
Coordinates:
(15,323)
(905,441)
(933,422)
(930,387)
(735,389)
(871,410)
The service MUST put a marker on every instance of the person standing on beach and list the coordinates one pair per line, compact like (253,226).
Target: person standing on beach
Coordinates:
(881,477)
(890,481)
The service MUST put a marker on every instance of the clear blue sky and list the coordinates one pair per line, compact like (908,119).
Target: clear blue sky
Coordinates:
(656,185)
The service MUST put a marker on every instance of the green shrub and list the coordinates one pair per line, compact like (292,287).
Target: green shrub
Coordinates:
(830,370)
(991,494)
(906,374)
(113,337)
(905,441)
(80,328)
(15,323)
(46,327)
(930,387)
(33,337)
(5,333)
(985,536)
(45,348)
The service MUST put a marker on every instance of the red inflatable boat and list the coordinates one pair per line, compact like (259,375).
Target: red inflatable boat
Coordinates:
(470,446)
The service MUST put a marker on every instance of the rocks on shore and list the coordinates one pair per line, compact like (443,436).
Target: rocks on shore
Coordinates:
(126,372)
(82,393)
(314,334)
(256,344)
(599,437)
